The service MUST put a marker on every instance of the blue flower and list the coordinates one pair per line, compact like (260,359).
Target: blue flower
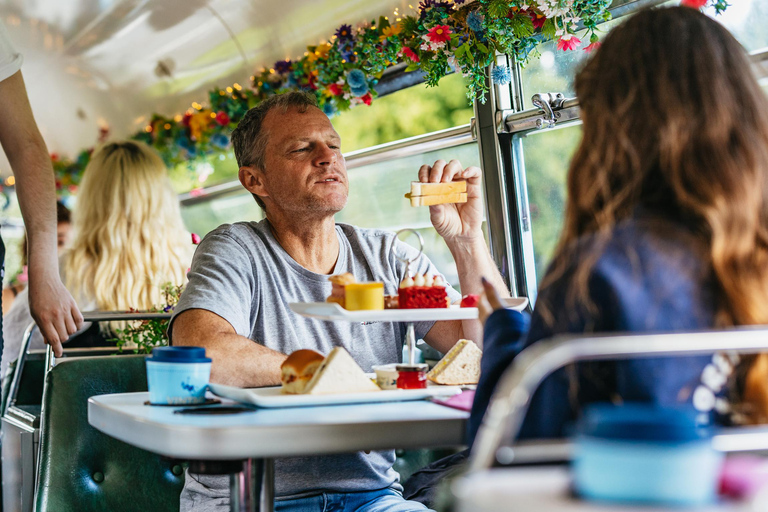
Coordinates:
(475,21)
(356,78)
(359,91)
(220,141)
(329,109)
(501,75)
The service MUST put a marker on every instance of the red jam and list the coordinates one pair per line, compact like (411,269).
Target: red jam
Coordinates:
(412,376)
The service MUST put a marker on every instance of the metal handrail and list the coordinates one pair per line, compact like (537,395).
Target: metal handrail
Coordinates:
(88,316)
(510,402)
(433,141)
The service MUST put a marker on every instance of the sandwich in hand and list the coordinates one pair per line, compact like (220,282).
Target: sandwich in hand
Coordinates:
(428,194)
(461,365)
(298,369)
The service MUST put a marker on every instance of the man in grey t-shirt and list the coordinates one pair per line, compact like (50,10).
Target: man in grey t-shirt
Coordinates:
(244,276)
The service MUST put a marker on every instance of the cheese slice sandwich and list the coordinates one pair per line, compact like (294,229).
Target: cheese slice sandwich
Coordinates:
(339,373)
(461,365)
(428,194)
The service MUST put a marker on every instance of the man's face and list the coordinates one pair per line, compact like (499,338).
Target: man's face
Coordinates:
(304,168)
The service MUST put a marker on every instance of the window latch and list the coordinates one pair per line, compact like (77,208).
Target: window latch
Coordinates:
(548,102)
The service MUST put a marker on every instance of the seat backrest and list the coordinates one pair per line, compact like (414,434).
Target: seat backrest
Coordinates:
(82,469)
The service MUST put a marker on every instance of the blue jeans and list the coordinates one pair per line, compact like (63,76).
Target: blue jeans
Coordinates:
(384,500)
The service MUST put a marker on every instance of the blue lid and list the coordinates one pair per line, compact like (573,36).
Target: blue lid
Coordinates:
(641,422)
(179,355)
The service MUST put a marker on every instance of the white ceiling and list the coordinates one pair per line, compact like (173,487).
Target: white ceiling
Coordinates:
(91,62)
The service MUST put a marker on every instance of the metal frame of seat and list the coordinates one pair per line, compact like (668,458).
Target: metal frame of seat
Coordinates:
(21,429)
(505,414)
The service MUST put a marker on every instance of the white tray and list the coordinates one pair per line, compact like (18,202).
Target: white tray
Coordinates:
(272,397)
(332,311)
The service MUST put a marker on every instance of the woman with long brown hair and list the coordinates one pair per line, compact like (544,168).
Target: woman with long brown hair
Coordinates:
(666,222)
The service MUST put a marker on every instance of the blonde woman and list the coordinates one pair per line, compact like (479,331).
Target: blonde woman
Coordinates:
(128,240)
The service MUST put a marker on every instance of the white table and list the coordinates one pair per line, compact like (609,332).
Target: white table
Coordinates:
(256,437)
(548,488)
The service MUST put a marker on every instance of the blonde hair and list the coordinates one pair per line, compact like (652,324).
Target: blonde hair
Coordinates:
(129,237)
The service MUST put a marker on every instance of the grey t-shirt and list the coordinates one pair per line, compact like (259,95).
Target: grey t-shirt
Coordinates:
(241,273)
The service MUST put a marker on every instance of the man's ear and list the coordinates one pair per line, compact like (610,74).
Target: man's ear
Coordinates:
(252,179)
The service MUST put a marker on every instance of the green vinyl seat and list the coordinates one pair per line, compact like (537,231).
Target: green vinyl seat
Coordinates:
(84,470)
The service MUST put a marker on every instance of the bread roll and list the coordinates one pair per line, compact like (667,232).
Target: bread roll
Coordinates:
(297,370)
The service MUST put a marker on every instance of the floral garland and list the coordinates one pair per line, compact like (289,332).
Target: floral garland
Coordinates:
(441,37)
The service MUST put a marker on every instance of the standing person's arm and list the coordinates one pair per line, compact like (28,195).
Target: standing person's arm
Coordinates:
(460,225)
(52,307)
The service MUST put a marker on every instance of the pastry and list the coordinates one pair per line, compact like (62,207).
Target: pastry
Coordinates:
(461,365)
(297,370)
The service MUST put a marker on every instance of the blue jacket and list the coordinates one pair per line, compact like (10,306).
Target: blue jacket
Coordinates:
(652,275)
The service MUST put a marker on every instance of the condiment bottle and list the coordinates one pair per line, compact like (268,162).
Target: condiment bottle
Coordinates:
(411,376)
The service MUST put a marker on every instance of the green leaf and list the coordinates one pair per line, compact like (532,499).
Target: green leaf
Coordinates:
(413,66)
(383,22)
(481,47)
(549,29)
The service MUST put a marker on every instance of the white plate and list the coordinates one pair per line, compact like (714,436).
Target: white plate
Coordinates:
(272,397)
(332,311)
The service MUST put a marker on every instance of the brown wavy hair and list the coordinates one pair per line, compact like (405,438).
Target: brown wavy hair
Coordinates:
(674,121)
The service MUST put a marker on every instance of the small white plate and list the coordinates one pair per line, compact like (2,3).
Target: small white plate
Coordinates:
(273,397)
(332,311)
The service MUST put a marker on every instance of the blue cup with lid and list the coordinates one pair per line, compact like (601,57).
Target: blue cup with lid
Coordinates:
(178,375)
(645,454)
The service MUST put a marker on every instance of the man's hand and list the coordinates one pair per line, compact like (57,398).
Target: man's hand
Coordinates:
(461,222)
(53,309)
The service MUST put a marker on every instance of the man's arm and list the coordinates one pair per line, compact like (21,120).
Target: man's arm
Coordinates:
(460,225)
(237,360)
(51,305)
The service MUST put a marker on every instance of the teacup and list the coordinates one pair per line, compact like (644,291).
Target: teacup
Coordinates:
(178,375)
(386,376)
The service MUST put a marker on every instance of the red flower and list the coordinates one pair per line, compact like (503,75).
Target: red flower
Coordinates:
(439,34)
(696,4)
(538,19)
(568,44)
(195,238)
(367,99)
(407,52)
(55,157)
(335,89)
(222,118)
(186,119)
(593,46)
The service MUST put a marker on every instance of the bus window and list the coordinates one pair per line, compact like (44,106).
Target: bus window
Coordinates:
(746,21)
(376,200)
(546,155)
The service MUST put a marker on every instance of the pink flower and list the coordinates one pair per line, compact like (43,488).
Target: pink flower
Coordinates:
(696,4)
(439,34)
(197,192)
(195,238)
(593,46)
(568,42)
(222,118)
(407,52)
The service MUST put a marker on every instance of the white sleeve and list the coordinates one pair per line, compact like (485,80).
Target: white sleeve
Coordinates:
(10,59)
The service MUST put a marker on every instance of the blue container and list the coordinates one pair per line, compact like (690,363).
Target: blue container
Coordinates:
(645,454)
(178,375)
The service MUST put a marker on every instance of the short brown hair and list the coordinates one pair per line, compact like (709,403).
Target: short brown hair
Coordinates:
(250,142)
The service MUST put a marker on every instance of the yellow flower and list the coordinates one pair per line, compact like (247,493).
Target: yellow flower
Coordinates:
(390,31)
(322,50)
(199,122)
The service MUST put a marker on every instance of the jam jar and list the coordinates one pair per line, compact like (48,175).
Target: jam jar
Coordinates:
(411,376)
